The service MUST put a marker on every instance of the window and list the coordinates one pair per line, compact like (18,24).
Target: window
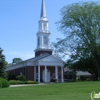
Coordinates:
(45,40)
(54,75)
(44,27)
(38,41)
(36,75)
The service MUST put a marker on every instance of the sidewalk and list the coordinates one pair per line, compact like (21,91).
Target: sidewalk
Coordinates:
(27,85)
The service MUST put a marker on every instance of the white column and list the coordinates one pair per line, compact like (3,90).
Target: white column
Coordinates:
(56,73)
(62,79)
(39,73)
(34,73)
(45,73)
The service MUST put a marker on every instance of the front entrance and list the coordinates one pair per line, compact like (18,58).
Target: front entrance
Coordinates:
(47,76)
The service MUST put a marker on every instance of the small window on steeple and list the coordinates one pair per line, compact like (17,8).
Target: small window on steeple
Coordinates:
(38,41)
(44,27)
(45,40)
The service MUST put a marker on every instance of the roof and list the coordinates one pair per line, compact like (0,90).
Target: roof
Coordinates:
(80,73)
(39,57)
(33,59)
(44,59)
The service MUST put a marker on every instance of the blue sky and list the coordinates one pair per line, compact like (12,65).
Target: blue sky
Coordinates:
(19,25)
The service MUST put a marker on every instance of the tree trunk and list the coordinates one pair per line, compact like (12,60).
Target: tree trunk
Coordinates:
(97,58)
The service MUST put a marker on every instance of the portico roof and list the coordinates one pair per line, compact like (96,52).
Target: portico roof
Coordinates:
(44,59)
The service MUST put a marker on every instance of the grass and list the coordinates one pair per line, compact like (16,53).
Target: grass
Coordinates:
(59,91)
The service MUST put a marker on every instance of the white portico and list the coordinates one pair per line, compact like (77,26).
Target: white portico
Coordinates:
(48,68)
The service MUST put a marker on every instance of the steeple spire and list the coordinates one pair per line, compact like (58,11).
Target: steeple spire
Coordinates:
(43,35)
(43,10)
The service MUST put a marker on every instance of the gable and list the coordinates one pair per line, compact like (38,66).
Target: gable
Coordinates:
(51,58)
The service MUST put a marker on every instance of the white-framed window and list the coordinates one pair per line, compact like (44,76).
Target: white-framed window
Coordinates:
(44,27)
(54,75)
(38,41)
(36,75)
(45,40)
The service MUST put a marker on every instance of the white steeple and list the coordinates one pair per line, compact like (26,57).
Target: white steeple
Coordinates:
(43,35)
(43,10)
(43,22)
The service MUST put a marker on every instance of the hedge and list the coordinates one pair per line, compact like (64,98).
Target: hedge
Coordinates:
(14,82)
(31,82)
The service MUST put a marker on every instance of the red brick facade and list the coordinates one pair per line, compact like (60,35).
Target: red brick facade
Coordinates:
(38,53)
(28,71)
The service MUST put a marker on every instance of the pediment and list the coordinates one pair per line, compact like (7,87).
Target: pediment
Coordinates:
(51,58)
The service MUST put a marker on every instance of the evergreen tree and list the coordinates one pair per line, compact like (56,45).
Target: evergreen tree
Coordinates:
(2,65)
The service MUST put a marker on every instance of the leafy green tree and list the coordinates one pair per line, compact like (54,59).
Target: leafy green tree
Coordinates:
(80,24)
(84,64)
(3,74)
(16,60)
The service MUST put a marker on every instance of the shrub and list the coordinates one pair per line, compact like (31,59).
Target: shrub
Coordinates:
(13,82)
(53,80)
(4,83)
(82,78)
(31,82)
(0,84)
(21,78)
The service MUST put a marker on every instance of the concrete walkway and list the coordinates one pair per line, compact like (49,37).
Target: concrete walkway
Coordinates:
(27,85)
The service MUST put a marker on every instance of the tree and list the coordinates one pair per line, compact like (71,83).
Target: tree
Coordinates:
(80,24)
(84,64)
(16,60)
(2,65)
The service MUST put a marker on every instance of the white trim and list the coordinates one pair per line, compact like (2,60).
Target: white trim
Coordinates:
(39,73)
(50,63)
(56,73)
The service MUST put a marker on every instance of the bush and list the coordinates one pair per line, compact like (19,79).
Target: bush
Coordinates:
(4,83)
(0,84)
(82,78)
(53,80)
(21,78)
(13,82)
(31,82)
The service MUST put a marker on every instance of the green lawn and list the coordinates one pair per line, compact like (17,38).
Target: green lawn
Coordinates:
(59,91)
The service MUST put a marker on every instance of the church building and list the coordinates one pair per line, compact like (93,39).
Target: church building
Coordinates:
(44,67)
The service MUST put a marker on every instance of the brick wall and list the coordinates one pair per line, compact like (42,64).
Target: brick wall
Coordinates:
(28,71)
(38,53)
